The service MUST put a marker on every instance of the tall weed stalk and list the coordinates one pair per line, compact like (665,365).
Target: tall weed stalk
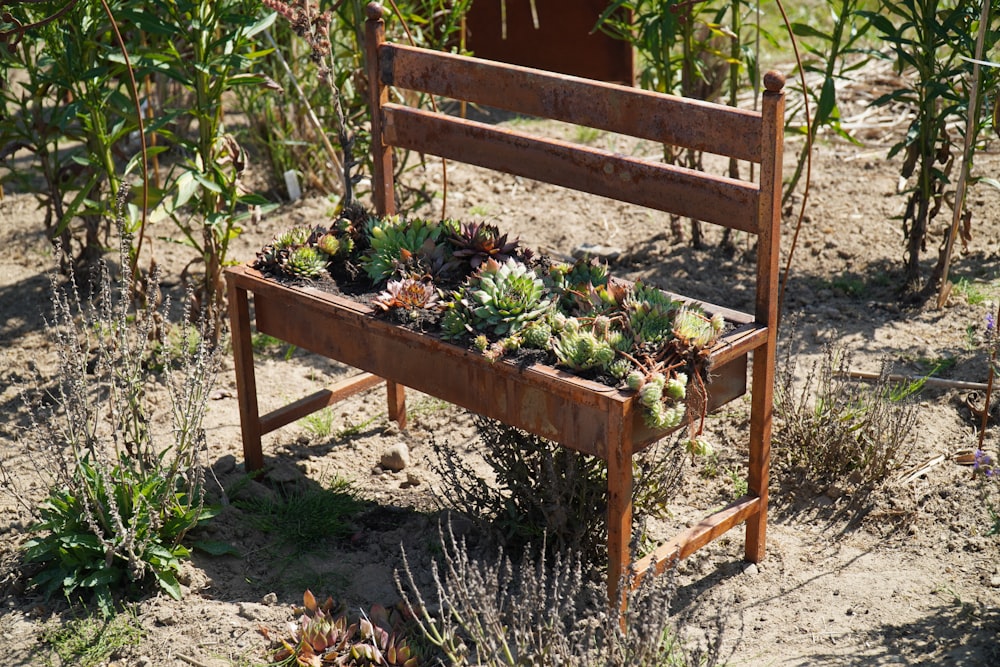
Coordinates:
(123,490)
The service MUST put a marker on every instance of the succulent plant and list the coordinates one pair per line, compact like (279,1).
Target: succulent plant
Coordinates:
(676,387)
(620,368)
(632,333)
(393,243)
(659,396)
(457,322)
(273,256)
(503,298)
(662,416)
(334,245)
(269,258)
(635,380)
(408,294)
(537,334)
(650,313)
(305,262)
(699,447)
(693,329)
(582,349)
(651,394)
(322,637)
(583,287)
(477,242)
(291,238)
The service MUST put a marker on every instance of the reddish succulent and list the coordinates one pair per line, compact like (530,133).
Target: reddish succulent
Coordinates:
(408,294)
(322,638)
(477,242)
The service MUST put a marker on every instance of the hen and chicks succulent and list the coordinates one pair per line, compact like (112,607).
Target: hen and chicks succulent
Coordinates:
(499,300)
(322,636)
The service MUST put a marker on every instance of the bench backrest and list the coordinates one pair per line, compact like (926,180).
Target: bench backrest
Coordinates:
(747,206)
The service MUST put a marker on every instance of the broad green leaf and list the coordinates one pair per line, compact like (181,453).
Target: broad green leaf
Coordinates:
(827,102)
(102,577)
(168,582)
(187,186)
(806,30)
(992,182)
(262,24)
(216,548)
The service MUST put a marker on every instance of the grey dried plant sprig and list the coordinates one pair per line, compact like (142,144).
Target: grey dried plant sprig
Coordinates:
(307,22)
(548,612)
(493,612)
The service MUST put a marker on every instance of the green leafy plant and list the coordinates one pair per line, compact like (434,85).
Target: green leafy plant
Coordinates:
(205,49)
(121,501)
(323,635)
(834,52)
(927,38)
(81,89)
(739,482)
(69,107)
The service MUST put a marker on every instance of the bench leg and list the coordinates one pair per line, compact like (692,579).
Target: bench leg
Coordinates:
(246,381)
(619,462)
(396,396)
(761,410)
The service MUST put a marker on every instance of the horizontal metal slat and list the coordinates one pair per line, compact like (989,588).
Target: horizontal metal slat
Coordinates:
(685,122)
(663,187)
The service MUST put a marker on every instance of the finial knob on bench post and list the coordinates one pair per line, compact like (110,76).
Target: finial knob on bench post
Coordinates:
(774,81)
(374,11)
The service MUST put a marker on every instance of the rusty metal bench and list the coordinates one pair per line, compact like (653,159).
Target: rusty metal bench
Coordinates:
(583,415)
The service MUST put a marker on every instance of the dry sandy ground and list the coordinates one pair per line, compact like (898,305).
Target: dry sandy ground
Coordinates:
(906,576)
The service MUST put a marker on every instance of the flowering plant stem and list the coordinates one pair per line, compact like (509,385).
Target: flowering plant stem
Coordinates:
(989,381)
